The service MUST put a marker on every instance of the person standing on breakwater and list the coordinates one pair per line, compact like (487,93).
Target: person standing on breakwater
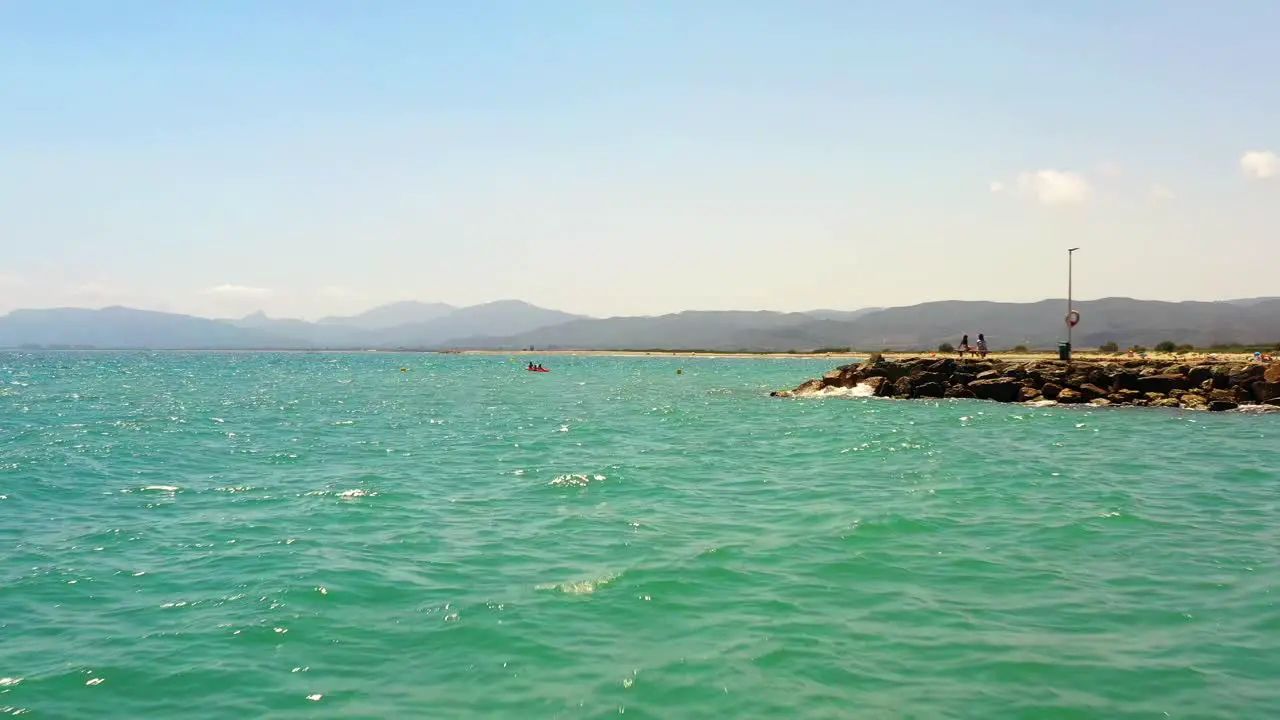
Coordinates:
(964,345)
(982,346)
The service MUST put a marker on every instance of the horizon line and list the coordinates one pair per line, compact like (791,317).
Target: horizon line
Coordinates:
(453,308)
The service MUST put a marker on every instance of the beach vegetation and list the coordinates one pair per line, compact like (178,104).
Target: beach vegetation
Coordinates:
(946,347)
(1167,346)
(1244,348)
(1109,347)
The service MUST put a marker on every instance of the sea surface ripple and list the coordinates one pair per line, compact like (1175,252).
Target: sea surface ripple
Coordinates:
(330,536)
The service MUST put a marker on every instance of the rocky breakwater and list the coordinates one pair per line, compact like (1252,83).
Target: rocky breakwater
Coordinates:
(1215,387)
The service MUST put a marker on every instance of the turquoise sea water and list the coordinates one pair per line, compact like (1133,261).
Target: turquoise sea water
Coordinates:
(313,535)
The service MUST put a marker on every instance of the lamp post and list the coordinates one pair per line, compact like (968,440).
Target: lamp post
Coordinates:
(1070,324)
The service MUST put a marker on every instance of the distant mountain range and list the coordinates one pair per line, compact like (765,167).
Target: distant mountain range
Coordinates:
(514,325)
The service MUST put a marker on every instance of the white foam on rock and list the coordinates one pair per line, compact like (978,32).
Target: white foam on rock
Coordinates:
(860,390)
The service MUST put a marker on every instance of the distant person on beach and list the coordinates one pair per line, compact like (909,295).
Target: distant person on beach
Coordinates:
(964,345)
(982,346)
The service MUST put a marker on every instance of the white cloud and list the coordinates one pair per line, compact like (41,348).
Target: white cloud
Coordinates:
(336,291)
(1054,187)
(239,291)
(1110,168)
(1160,192)
(997,187)
(7,280)
(1260,164)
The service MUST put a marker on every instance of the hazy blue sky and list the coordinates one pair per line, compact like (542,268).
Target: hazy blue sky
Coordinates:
(620,157)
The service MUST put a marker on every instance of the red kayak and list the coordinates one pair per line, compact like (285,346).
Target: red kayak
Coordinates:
(537,370)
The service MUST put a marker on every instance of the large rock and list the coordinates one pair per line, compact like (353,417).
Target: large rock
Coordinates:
(930,390)
(1162,384)
(1051,374)
(1098,376)
(809,386)
(1000,389)
(1222,376)
(1246,375)
(1050,390)
(1265,391)
(1034,380)
(878,385)
(902,387)
(1199,374)
(887,368)
(836,378)
(927,377)
(1126,396)
(1192,401)
(1028,394)
(1231,394)
(1124,380)
(945,366)
(1068,396)
(958,392)
(1092,392)
(1272,373)
(1222,405)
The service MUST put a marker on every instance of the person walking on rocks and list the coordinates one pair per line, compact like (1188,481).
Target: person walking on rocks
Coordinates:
(982,346)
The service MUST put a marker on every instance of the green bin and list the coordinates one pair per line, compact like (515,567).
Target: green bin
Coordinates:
(1064,351)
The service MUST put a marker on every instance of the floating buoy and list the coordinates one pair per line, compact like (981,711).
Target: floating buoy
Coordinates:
(679,372)
(404,369)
